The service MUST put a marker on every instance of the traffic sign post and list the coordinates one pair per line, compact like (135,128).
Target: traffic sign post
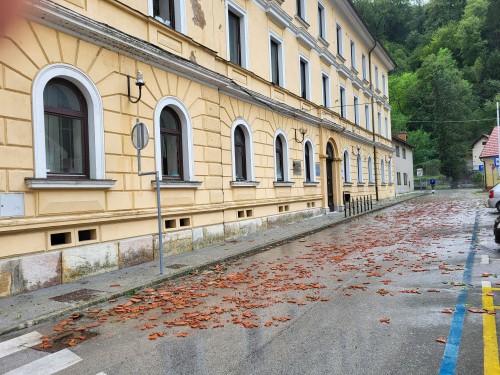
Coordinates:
(140,139)
(420,173)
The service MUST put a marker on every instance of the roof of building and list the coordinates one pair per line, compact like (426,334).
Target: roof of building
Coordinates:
(491,147)
(401,141)
(479,138)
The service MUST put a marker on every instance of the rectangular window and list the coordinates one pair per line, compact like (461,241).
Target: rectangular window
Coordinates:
(379,121)
(301,9)
(404,153)
(367,117)
(397,151)
(304,78)
(343,103)
(321,22)
(164,11)
(339,40)
(384,91)
(405,177)
(386,127)
(363,66)
(353,55)
(398,178)
(326,90)
(275,63)
(234,36)
(376,78)
(356,110)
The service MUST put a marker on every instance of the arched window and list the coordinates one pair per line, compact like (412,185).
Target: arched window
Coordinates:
(309,175)
(347,167)
(360,169)
(66,132)
(370,170)
(171,144)
(389,171)
(279,159)
(382,171)
(240,163)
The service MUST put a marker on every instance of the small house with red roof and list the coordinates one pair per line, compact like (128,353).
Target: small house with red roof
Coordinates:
(488,156)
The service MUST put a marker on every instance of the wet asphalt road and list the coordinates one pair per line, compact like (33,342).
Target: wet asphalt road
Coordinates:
(365,297)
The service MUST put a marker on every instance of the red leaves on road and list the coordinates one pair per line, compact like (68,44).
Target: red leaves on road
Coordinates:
(441,340)
(385,320)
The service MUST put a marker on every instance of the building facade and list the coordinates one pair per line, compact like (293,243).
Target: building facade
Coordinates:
(476,149)
(259,113)
(403,164)
(489,158)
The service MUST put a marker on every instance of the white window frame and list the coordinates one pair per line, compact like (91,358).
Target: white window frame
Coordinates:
(382,170)
(328,103)
(389,171)
(379,122)
(322,21)
(180,15)
(346,166)
(370,170)
(384,91)
(343,101)
(308,77)
(249,155)
(240,12)
(281,58)
(97,169)
(363,66)
(356,110)
(359,166)
(377,86)
(304,10)
(386,119)
(308,141)
(187,135)
(367,117)
(286,165)
(353,54)
(340,37)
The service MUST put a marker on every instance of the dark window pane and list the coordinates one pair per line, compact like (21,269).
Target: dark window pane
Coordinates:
(59,95)
(325,91)
(171,144)
(307,166)
(165,10)
(279,159)
(275,68)
(234,38)
(240,154)
(303,79)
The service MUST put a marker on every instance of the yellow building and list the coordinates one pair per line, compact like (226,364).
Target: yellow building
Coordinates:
(260,112)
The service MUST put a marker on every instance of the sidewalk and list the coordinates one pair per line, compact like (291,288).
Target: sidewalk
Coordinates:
(31,308)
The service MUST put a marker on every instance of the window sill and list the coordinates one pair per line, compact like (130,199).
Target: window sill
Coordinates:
(283,183)
(353,69)
(311,183)
(365,81)
(323,41)
(340,57)
(245,183)
(67,183)
(173,184)
(347,183)
(361,184)
(377,91)
(302,21)
(371,184)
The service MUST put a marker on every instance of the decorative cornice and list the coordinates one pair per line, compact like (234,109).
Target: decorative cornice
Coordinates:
(306,39)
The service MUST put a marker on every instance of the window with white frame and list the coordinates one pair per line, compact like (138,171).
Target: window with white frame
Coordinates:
(340,47)
(379,122)
(359,165)
(301,8)
(404,153)
(389,171)
(170,12)
(346,167)
(343,102)
(397,151)
(174,147)
(363,66)
(356,110)
(309,175)
(376,78)
(367,117)
(282,170)
(67,126)
(237,46)
(370,170)
(325,83)
(321,21)
(276,59)
(353,54)
(398,178)
(242,151)
(382,171)
(304,78)
(384,91)
(386,121)
(405,178)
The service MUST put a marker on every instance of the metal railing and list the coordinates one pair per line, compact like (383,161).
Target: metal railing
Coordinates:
(358,205)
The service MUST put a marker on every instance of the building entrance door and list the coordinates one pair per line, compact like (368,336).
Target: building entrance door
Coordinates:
(329,175)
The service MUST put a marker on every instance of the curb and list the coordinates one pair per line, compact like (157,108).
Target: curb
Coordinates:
(189,270)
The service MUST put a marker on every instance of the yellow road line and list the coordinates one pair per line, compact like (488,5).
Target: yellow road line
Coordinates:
(491,361)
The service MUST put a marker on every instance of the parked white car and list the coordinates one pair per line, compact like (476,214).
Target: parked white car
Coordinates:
(494,197)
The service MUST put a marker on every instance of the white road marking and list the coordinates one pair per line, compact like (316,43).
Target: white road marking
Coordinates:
(486,284)
(48,365)
(485,259)
(19,343)
(101,373)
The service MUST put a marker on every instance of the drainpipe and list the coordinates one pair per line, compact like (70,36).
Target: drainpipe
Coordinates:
(375,166)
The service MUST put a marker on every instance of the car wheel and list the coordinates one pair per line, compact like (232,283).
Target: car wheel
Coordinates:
(498,206)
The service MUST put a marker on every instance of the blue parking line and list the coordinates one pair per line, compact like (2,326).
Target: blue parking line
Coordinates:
(449,361)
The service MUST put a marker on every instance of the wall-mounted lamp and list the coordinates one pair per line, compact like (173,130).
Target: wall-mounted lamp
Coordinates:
(303,131)
(358,147)
(139,82)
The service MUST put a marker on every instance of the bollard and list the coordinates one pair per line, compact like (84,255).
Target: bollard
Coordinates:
(349,207)
(371,203)
(357,206)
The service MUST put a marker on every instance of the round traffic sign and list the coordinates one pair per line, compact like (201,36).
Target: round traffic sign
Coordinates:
(140,135)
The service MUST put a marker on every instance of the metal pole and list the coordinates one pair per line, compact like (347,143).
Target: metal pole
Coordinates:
(160,227)
(498,135)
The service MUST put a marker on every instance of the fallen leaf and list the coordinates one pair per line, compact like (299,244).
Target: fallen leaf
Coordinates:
(441,340)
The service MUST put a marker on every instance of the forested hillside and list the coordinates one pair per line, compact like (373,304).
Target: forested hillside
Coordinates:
(444,89)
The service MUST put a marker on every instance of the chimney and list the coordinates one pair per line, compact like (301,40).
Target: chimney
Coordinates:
(402,136)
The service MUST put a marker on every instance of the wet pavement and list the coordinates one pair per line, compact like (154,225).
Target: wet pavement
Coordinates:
(398,291)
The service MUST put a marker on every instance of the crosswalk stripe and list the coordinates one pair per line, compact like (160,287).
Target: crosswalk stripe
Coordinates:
(19,343)
(49,364)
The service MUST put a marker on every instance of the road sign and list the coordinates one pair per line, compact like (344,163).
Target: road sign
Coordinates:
(495,161)
(140,135)
(480,167)
(420,172)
